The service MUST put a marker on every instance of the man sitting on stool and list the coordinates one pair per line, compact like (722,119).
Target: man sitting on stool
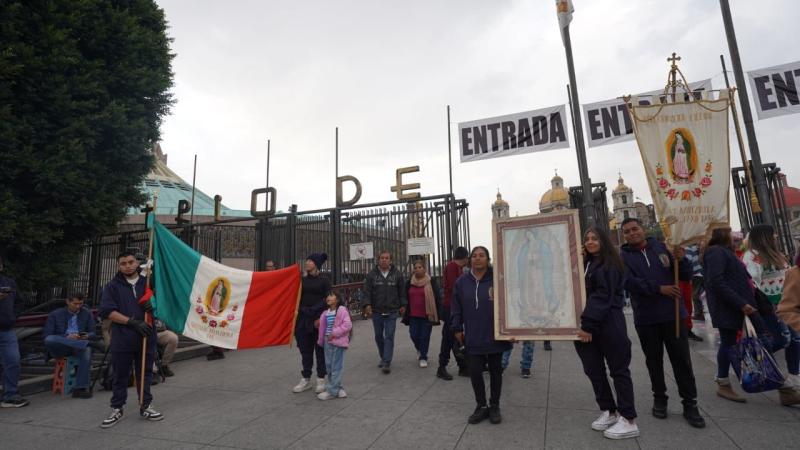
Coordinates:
(167,340)
(69,331)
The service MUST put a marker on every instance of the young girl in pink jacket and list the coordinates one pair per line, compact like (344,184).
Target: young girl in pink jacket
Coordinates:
(334,336)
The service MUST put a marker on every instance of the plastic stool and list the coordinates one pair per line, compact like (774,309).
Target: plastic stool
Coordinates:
(64,375)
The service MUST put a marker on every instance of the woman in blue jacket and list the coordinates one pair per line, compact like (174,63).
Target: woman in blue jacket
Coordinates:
(604,337)
(472,316)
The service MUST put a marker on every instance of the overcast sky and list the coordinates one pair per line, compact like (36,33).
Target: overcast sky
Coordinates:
(383,72)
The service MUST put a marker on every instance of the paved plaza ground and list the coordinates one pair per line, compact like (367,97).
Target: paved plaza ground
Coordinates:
(245,401)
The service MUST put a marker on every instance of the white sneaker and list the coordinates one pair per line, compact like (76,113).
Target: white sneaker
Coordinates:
(623,429)
(423,363)
(324,395)
(342,393)
(303,385)
(605,421)
(320,385)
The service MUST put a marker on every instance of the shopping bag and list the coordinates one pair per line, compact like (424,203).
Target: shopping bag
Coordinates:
(753,364)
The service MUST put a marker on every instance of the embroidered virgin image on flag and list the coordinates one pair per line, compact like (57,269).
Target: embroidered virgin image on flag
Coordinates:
(219,305)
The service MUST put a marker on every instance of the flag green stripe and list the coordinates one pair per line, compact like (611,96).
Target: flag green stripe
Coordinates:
(175,265)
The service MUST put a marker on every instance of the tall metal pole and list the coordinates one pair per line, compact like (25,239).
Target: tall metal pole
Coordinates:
(583,170)
(755,205)
(449,151)
(267,194)
(194,180)
(337,158)
(747,116)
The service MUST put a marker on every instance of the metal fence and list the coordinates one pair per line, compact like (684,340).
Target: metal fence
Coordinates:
(747,218)
(286,239)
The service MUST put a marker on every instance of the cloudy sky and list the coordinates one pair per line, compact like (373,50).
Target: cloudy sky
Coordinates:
(383,72)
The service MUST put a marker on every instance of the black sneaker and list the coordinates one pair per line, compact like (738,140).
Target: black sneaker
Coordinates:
(215,355)
(147,412)
(692,415)
(660,408)
(694,337)
(442,373)
(15,403)
(494,415)
(110,421)
(481,413)
(167,371)
(154,380)
(526,373)
(386,368)
(81,393)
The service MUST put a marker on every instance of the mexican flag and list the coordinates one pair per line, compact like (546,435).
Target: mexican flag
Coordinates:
(219,305)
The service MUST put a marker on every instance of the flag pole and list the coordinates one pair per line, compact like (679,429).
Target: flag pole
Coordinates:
(296,311)
(449,151)
(148,318)
(586,182)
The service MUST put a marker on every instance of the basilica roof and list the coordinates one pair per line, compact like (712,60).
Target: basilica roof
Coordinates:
(555,196)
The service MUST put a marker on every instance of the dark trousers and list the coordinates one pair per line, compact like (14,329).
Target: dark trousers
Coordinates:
(419,329)
(449,342)
(121,363)
(307,343)
(610,346)
(654,338)
(476,363)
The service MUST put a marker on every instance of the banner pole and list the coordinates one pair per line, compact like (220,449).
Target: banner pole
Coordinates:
(296,309)
(147,316)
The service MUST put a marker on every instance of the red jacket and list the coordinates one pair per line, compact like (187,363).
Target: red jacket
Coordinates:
(452,271)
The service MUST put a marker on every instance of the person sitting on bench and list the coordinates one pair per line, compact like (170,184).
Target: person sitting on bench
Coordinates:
(69,331)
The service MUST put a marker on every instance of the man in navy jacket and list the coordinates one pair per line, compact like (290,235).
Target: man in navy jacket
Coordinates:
(10,307)
(650,280)
(69,332)
(120,303)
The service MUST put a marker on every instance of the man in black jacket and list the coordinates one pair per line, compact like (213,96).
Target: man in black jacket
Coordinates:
(10,308)
(125,302)
(384,300)
(650,280)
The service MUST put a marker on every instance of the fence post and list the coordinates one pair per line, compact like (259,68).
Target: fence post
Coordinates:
(336,240)
(291,235)
(94,272)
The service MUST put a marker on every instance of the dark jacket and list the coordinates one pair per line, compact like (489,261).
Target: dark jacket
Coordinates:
(728,287)
(385,294)
(58,320)
(472,312)
(312,302)
(11,307)
(118,295)
(436,296)
(604,286)
(646,270)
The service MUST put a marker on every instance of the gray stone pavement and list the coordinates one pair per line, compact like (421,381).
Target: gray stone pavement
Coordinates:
(245,401)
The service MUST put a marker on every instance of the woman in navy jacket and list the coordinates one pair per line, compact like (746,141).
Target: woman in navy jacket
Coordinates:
(604,337)
(730,295)
(472,319)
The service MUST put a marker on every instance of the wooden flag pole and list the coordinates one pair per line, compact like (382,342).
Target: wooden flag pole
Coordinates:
(148,318)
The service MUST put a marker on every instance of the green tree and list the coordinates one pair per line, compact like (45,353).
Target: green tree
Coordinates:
(84,85)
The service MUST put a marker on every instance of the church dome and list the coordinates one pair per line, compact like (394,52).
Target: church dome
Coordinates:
(621,186)
(555,197)
(500,201)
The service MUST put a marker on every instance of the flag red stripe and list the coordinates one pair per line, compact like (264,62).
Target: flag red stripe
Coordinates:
(270,308)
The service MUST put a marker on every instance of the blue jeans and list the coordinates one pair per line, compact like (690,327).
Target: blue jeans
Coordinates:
(727,339)
(527,356)
(61,347)
(420,330)
(334,362)
(9,352)
(384,326)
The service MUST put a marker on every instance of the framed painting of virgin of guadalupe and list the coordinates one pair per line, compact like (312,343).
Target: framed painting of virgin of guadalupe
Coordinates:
(539,288)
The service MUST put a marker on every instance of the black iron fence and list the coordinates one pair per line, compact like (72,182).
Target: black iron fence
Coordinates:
(747,218)
(286,238)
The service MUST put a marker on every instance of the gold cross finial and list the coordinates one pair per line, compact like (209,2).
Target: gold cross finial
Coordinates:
(674,59)
(556,172)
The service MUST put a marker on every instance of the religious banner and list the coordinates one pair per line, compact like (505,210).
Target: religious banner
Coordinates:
(775,90)
(513,134)
(218,305)
(608,122)
(684,148)
(538,288)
